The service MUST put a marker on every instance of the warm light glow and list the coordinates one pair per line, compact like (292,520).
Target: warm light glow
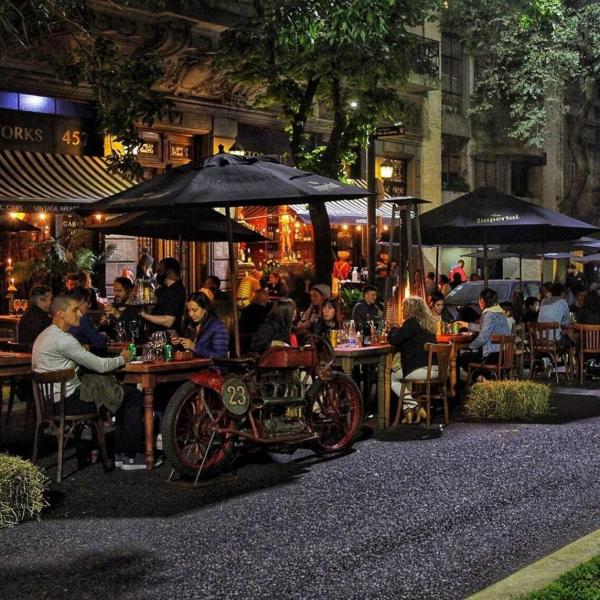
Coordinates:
(17,215)
(344,227)
(358,228)
(386,169)
(353,103)
(42,216)
(9,261)
(407,290)
(98,217)
(385,227)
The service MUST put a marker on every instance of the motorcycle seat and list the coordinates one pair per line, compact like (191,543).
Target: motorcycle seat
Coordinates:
(244,362)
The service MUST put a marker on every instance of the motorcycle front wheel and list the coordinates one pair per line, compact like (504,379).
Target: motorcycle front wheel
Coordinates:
(336,413)
(189,438)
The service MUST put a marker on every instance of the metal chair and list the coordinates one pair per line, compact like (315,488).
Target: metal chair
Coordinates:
(542,343)
(63,425)
(438,380)
(589,343)
(502,369)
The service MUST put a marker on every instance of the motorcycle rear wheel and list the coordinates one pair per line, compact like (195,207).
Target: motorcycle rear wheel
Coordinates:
(189,421)
(336,413)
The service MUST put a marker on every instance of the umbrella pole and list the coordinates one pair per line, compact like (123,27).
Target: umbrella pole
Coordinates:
(485,265)
(233,281)
(521,272)
(542,269)
(437,266)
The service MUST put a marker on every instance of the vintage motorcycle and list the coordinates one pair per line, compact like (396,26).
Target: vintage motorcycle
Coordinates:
(281,400)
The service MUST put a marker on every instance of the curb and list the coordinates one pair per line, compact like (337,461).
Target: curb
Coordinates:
(542,573)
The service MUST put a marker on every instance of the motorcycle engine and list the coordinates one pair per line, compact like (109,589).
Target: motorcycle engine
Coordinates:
(283,395)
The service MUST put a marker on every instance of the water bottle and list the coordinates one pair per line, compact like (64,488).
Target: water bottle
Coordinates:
(351,334)
(355,275)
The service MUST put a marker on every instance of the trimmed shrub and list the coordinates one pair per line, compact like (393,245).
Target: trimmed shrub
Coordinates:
(22,487)
(508,400)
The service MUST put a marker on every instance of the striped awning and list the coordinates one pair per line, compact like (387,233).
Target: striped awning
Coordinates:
(31,181)
(339,211)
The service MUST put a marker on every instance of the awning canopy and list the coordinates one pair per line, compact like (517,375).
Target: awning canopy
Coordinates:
(32,181)
(352,212)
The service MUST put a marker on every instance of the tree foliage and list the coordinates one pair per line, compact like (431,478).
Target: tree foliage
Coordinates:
(535,59)
(345,61)
(63,35)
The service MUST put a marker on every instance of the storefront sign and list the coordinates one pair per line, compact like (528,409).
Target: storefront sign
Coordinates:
(45,133)
(389,131)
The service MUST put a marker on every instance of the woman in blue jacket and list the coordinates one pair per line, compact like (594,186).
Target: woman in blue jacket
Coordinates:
(209,337)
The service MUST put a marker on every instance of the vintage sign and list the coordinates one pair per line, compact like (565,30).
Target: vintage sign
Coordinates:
(390,130)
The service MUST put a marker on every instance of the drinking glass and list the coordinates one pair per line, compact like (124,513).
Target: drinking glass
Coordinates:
(120,332)
(24,305)
(148,353)
(16,306)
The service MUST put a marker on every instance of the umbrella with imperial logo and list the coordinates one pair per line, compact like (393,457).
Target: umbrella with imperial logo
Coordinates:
(488,217)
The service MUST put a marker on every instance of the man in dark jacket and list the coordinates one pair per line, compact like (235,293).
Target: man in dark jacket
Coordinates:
(37,317)
(367,309)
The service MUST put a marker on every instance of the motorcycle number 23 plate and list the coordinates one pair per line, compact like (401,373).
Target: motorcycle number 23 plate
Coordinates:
(235,395)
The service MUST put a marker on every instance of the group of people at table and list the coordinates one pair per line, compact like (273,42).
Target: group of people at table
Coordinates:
(62,334)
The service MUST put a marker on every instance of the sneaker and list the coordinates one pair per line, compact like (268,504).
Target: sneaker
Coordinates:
(138,462)
(547,367)
(159,444)
(119,460)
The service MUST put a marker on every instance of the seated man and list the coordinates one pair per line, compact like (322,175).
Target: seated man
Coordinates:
(213,283)
(367,309)
(85,333)
(55,350)
(36,318)
(554,308)
(120,311)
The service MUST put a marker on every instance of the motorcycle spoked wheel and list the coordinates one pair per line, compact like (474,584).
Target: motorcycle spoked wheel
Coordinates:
(336,414)
(188,427)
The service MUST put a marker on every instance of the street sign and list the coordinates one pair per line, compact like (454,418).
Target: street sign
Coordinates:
(389,131)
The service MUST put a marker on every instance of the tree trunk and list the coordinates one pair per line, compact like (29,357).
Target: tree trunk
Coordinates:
(321,242)
(575,121)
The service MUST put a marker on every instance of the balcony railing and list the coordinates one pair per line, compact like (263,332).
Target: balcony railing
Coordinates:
(425,58)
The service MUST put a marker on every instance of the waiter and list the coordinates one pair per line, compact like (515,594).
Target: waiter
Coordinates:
(171,296)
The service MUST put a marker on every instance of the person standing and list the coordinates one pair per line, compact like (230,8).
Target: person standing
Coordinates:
(37,316)
(458,268)
(171,296)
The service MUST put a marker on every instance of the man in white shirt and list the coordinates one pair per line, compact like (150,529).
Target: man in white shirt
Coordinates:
(55,349)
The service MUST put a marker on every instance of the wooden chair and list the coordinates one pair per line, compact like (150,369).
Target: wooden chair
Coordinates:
(589,343)
(437,381)
(503,368)
(63,425)
(541,343)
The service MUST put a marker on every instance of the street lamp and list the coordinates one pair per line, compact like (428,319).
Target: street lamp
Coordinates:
(386,169)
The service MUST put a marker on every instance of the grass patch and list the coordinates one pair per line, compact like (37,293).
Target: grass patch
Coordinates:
(22,487)
(508,401)
(582,583)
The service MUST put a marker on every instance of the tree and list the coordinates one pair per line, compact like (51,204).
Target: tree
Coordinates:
(534,59)
(348,59)
(62,35)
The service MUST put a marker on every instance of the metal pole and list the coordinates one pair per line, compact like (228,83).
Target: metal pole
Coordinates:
(371,209)
(420,249)
(485,265)
(388,281)
(233,280)
(437,266)
(521,272)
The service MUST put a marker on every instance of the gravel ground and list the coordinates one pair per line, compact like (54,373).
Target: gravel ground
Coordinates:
(406,519)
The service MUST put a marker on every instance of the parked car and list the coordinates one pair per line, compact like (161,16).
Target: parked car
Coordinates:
(464,298)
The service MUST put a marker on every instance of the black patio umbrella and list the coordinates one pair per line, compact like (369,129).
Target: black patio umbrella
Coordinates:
(9,223)
(487,216)
(191,224)
(227,180)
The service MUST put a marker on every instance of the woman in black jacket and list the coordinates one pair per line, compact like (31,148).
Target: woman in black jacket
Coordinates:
(277,327)
(417,330)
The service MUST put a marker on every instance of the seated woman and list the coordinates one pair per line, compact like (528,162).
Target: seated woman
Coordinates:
(532,308)
(276,286)
(276,329)
(438,308)
(417,330)
(589,313)
(208,336)
(331,318)
(493,321)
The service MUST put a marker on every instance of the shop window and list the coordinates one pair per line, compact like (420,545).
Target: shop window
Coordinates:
(451,74)
(45,105)
(397,185)
(485,173)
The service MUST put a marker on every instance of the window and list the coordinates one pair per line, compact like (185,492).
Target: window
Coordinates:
(452,178)
(397,184)
(485,173)
(45,104)
(451,74)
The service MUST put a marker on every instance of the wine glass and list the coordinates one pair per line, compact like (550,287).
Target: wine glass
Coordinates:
(16,306)
(24,305)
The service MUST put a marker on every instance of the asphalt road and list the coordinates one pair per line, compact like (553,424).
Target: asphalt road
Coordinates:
(412,518)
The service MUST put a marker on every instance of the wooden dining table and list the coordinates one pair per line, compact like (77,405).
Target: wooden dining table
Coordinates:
(458,341)
(347,357)
(12,365)
(149,375)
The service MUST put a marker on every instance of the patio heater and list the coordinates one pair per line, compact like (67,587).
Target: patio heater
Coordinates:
(406,267)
